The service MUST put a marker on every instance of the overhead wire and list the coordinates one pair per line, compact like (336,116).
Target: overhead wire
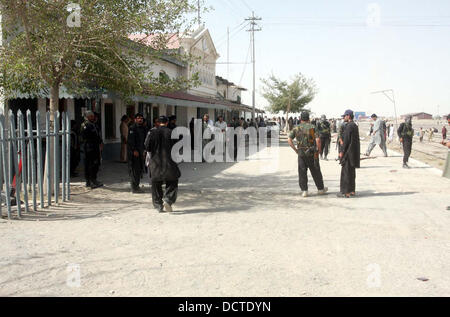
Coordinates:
(246,63)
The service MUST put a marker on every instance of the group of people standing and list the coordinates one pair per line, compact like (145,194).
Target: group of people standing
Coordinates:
(310,145)
(148,151)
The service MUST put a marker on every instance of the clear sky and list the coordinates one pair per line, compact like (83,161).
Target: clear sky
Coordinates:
(350,47)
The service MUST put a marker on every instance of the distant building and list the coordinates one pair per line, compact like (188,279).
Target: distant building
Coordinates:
(419,116)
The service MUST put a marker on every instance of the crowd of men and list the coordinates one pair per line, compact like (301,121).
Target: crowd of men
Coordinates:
(147,149)
(313,137)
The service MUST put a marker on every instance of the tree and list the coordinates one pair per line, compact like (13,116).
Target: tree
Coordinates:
(86,46)
(288,97)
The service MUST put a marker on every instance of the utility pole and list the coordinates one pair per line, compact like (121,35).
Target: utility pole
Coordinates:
(199,16)
(392,99)
(253,24)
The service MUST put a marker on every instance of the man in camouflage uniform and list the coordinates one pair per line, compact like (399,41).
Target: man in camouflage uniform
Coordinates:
(406,134)
(340,137)
(308,146)
(325,137)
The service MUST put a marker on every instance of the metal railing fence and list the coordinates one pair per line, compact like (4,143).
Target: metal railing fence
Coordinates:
(32,159)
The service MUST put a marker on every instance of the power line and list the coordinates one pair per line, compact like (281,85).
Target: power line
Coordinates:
(246,63)
(226,34)
(360,24)
(246,4)
(221,43)
(233,8)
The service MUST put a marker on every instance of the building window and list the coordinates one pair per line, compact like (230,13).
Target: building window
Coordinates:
(163,77)
(110,131)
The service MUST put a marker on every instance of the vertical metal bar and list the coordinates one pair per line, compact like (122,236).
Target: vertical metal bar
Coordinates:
(1,171)
(63,157)
(28,143)
(14,154)
(47,158)
(68,144)
(56,157)
(32,156)
(40,177)
(24,158)
(5,165)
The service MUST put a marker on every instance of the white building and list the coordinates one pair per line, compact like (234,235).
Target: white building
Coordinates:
(186,105)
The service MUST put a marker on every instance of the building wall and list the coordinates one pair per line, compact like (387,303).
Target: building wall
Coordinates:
(172,70)
(191,113)
(212,114)
(203,48)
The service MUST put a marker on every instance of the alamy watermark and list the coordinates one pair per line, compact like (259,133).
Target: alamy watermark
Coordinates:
(373,15)
(74,18)
(73,276)
(374,278)
(213,145)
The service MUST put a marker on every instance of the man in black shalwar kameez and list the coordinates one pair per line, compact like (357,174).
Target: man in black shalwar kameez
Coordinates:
(162,168)
(350,155)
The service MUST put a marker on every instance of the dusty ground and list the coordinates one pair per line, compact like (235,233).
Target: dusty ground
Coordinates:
(240,230)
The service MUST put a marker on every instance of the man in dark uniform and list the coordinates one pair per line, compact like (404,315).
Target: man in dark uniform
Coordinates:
(162,168)
(308,146)
(325,137)
(350,155)
(74,148)
(136,152)
(93,146)
(406,134)
(172,122)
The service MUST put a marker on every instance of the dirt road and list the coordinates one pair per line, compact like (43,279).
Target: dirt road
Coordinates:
(240,230)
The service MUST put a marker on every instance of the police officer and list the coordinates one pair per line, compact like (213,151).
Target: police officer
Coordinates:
(136,155)
(93,146)
(172,122)
(163,169)
(308,146)
(406,134)
(325,137)
(340,137)
(349,154)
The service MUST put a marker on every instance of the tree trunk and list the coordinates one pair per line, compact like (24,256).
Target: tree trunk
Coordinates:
(54,102)
(54,106)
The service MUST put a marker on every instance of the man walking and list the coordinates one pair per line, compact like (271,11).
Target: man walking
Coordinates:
(406,134)
(350,156)
(93,146)
(162,168)
(325,137)
(378,136)
(308,146)
(136,155)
